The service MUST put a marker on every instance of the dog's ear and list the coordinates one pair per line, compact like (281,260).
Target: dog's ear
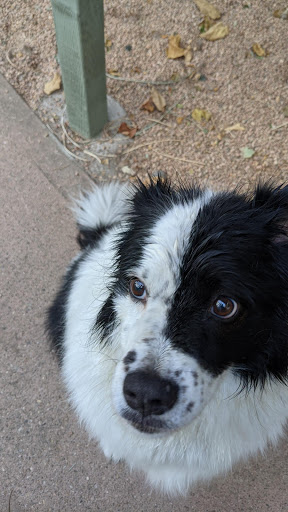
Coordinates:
(272,203)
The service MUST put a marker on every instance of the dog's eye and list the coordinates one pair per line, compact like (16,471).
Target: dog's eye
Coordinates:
(137,289)
(224,307)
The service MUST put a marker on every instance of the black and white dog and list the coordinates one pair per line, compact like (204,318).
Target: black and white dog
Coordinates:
(171,326)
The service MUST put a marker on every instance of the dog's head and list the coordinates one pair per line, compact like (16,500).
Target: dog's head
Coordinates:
(200,289)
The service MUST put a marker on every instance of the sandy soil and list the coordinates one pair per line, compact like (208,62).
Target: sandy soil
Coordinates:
(224,77)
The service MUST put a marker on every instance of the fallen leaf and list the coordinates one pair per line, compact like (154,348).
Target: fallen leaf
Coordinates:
(208,9)
(148,105)
(133,132)
(179,120)
(108,44)
(217,31)
(113,72)
(188,56)
(247,152)
(201,115)
(127,130)
(258,50)
(158,100)
(53,85)
(174,50)
(281,13)
(234,127)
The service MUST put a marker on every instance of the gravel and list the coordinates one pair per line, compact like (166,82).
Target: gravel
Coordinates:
(224,77)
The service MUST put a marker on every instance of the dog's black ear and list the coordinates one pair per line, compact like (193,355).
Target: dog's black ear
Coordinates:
(272,203)
(90,236)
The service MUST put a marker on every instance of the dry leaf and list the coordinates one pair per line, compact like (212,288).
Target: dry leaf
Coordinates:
(158,100)
(208,9)
(201,115)
(179,120)
(217,31)
(108,44)
(234,127)
(258,50)
(133,132)
(281,13)
(188,56)
(113,72)
(247,152)
(53,85)
(127,130)
(148,105)
(174,50)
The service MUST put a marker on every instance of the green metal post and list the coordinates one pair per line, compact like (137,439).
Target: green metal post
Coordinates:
(79,28)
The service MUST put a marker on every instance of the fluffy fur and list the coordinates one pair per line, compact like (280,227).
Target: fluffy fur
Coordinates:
(171,326)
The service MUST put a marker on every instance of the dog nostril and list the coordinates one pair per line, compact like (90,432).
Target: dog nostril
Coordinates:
(130,394)
(148,393)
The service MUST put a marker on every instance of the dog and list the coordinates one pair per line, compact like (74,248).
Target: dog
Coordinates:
(171,326)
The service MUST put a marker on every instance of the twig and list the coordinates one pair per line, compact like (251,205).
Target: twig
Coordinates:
(92,154)
(280,126)
(66,133)
(79,147)
(149,144)
(160,122)
(146,82)
(73,154)
(178,159)
(9,60)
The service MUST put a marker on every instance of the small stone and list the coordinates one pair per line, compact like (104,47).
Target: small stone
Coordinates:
(127,170)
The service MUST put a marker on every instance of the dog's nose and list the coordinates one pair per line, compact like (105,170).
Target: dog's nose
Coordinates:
(148,393)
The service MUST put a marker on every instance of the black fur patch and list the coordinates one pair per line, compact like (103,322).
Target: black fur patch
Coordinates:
(89,237)
(55,320)
(233,252)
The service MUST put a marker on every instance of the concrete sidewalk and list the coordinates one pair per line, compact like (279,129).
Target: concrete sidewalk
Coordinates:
(47,462)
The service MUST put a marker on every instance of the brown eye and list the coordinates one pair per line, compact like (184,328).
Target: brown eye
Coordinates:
(137,289)
(223,307)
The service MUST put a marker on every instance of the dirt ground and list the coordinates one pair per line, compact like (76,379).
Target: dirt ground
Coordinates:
(225,77)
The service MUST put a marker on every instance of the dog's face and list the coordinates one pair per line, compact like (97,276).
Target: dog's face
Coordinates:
(200,289)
